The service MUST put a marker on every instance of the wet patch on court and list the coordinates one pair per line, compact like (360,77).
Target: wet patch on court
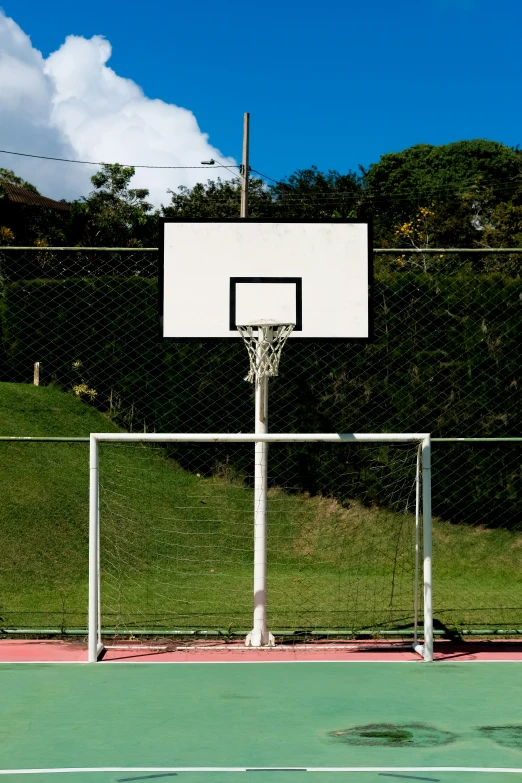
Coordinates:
(415,735)
(508,736)
(149,777)
(407,777)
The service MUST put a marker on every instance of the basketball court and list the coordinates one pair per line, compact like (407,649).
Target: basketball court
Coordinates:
(221,712)
(307,720)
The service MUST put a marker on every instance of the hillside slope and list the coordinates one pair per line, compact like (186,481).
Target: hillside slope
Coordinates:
(46,411)
(44,508)
(177,546)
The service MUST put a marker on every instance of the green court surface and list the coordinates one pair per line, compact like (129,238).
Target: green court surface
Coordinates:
(215,722)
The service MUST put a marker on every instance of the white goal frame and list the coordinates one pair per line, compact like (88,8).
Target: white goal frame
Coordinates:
(95,644)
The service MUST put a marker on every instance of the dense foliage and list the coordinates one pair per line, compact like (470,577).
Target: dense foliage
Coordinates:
(445,372)
(469,193)
(445,354)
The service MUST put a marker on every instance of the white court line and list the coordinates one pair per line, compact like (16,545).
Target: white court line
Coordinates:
(118,662)
(257,769)
(314,660)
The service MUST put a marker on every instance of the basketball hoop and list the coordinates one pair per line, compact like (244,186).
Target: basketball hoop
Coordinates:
(264,340)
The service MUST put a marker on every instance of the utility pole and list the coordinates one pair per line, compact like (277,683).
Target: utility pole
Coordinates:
(244,165)
(259,636)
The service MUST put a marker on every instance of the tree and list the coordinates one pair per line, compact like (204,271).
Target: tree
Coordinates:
(9,176)
(504,228)
(309,193)
(113,214)
(220,199)
(465,178)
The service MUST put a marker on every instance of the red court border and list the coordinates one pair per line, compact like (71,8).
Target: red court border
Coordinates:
(58,651)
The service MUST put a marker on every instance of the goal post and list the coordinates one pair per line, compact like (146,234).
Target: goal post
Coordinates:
(153,534)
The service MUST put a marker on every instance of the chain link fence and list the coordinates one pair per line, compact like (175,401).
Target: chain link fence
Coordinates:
(445,359)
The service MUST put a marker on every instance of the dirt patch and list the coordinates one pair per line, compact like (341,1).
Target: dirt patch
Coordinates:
(415,735)
(507,736)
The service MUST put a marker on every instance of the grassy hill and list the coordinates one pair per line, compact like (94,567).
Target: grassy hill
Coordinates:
(44,507)
(177,545)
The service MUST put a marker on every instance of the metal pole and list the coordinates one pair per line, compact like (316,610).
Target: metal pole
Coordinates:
(417,550)
(50,439)
(260,636)
(376,250)
(244,166)
(94,527)
(427,548)
(238,437)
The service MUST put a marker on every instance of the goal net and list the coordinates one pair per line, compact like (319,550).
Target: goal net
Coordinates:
(172,536)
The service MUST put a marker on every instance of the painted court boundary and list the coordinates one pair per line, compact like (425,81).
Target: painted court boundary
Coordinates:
(515,770)
(116,662)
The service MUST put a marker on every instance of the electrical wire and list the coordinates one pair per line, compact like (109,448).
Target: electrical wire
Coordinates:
(101,163)
(222,165)
(366,194)
(277,181)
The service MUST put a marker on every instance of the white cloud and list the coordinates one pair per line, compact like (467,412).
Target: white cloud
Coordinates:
(72,105)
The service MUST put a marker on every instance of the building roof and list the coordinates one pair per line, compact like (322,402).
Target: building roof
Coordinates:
(21,195)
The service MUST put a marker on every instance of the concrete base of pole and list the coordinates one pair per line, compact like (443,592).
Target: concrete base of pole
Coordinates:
(95,654)
(255,639)
(425,653)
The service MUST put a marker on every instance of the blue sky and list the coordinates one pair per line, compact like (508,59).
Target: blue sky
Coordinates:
(332,84)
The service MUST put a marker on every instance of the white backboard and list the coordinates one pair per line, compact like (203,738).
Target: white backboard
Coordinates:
(216,274)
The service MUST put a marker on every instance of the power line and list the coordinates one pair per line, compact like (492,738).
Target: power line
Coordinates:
(365,194)
(277,181)
(102,163)
(222,165)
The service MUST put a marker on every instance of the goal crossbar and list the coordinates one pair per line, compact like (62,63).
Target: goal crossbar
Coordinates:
(335,437)
(424,649)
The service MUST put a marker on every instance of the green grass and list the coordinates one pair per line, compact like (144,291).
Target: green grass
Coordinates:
(177,547)
(44,507)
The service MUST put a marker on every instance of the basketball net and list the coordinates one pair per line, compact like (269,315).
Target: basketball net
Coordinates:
(264,340)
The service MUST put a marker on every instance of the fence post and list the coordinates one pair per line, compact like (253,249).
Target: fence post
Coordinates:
(427,548)
(95,645)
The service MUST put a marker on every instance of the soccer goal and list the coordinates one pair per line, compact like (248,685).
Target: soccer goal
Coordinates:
(331,538)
